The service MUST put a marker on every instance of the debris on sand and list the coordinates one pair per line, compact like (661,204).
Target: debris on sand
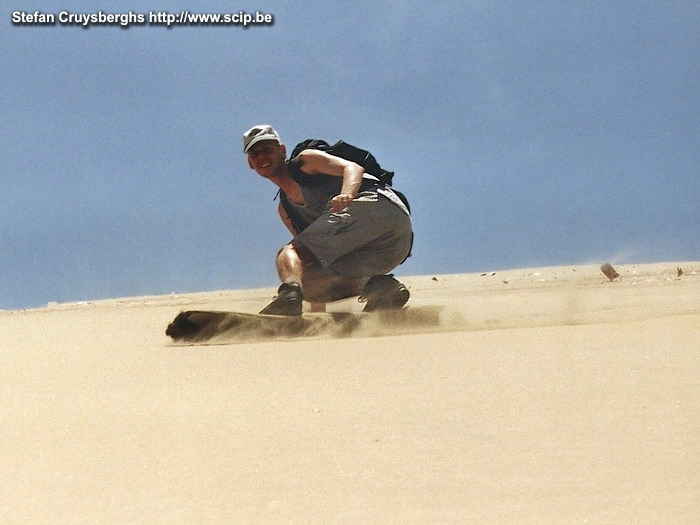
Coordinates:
(609,271)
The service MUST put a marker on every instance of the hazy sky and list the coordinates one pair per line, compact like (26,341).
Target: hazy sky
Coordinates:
(523,133)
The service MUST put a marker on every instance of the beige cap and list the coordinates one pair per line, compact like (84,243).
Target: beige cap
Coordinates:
(257,134)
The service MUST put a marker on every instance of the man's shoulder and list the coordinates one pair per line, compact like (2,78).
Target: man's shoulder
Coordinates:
(305,158)
(294,167)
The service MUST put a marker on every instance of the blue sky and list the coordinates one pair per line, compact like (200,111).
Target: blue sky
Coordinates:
(523,133)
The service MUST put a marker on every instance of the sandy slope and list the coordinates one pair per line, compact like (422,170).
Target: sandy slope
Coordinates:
(548,396)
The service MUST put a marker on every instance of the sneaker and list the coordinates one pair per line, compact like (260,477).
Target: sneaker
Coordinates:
(286,302)
(383,292)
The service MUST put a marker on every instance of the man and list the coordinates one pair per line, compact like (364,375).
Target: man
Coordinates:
(349,229)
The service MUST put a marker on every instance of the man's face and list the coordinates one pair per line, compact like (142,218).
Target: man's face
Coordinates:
(267,157)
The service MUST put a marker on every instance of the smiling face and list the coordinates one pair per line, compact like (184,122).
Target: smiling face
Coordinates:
(267,158)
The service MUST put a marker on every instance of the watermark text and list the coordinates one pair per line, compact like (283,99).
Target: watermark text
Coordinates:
(131,18)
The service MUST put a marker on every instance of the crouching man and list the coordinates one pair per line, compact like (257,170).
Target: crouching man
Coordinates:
(349,228)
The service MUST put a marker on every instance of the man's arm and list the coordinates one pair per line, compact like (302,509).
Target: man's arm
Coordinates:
(314,161)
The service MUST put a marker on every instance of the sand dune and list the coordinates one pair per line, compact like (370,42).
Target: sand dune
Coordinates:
(548,395)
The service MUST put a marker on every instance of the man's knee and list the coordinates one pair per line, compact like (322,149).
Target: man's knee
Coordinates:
(284,251)
(296,255)
(305,255)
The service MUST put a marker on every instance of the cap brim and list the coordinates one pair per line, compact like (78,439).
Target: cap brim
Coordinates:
(260,138)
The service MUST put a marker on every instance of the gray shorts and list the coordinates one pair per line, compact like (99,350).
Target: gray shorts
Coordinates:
(372,236)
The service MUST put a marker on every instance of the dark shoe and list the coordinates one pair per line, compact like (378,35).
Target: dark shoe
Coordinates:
(287,301)
(383,292)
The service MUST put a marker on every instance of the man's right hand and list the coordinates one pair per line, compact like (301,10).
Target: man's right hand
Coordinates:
(340,202)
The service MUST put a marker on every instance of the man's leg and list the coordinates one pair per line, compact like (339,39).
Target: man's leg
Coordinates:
(303,277)
(335,257)
(295,263)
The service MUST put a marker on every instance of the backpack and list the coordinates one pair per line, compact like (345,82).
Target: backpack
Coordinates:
(348,152)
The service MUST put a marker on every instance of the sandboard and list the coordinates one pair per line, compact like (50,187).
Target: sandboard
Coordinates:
(200,326)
